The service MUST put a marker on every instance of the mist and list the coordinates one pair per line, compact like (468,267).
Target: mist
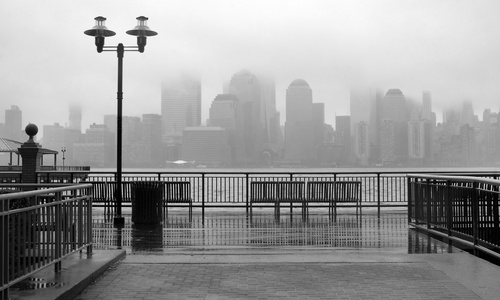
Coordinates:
(447,47)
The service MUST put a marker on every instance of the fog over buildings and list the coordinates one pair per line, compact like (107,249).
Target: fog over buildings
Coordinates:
(290,82)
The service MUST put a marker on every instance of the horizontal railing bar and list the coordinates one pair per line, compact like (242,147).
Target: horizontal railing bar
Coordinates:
(456,178)
(70,187)
(53,203)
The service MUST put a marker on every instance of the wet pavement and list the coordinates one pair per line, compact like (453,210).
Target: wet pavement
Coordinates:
(233,229)
(228,256)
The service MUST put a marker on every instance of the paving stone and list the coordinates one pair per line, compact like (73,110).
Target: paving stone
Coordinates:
(278,281)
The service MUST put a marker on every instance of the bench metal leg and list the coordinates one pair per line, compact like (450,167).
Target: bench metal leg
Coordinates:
(190,212)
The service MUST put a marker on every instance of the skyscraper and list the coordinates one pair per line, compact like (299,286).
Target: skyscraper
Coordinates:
(394,128)
(13,123)
(180,105)
(299,138)
(362,107)
(75,117)
(343,138)
(251,129)
(361,143)
(426,106)
(223,114)
(468,117)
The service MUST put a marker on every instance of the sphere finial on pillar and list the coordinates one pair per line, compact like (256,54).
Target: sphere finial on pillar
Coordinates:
(31,130)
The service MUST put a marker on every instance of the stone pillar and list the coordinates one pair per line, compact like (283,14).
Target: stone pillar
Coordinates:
(31,154)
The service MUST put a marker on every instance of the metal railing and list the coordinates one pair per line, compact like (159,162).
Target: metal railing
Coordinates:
(40,227)
(230,189)
(463,209)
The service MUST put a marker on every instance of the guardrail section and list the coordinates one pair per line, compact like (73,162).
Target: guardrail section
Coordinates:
(41,227)
(462,209)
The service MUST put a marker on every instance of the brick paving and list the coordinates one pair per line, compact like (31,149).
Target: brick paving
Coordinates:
(414,280)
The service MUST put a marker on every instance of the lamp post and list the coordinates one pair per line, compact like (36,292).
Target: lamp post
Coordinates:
(100,32)
(63,150)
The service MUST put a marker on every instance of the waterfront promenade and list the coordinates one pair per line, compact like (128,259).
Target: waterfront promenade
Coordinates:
(225,256)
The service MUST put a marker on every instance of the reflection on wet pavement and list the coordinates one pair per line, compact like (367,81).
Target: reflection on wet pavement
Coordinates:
(229,229)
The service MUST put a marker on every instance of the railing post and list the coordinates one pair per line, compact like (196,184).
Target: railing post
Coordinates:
(428,203)
(495,207)
(291,203)
(378,195)
(475,215)
(90,240)
(57,235)
(80,218)
(418,200)
(409,200)
(203,197)
(4,248)
(449,207)
(247,197)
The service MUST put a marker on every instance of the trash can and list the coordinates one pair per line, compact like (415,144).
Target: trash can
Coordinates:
(147,202)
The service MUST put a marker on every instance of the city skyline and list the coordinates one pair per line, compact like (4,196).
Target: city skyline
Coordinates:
(398,133)
(446,47)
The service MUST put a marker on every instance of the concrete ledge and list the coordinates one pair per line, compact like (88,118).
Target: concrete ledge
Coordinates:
(77,273)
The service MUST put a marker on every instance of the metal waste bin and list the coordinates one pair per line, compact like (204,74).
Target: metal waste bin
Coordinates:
(147,202)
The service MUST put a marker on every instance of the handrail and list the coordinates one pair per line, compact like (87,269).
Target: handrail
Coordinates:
(457,178)
(40,228)
(462,209)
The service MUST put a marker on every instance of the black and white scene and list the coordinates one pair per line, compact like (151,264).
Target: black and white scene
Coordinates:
(223,149)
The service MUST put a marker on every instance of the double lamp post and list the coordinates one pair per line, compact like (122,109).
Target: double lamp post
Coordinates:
(99,31)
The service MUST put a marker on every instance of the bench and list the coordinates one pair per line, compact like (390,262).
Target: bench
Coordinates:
(173,192)
(277,192)
(333,192)
(178,192)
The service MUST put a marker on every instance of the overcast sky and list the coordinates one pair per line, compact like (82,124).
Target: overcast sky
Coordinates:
(451,48)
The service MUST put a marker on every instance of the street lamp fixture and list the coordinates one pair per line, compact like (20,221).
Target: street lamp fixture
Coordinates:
(100,32)
(63,150)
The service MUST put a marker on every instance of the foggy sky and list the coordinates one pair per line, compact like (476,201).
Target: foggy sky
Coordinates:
(451,48)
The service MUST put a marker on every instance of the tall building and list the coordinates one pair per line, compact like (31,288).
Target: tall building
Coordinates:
(427,106)
(416,141)
(468,117)
(75,117)
(361,143)
(318,122)
(299,137)
(429,126)
(251,130)
(180,105)
(363,111)
(223,113)
(13,124)
(343,138)
(393,118)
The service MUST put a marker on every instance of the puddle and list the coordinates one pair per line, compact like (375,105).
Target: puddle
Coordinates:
(33,283)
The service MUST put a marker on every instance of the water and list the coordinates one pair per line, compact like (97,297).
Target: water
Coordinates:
(312,170)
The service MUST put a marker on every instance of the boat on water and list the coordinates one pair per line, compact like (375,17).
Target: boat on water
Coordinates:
(180,164)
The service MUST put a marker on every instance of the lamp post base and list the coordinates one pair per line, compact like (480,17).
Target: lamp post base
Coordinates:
(119,221)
